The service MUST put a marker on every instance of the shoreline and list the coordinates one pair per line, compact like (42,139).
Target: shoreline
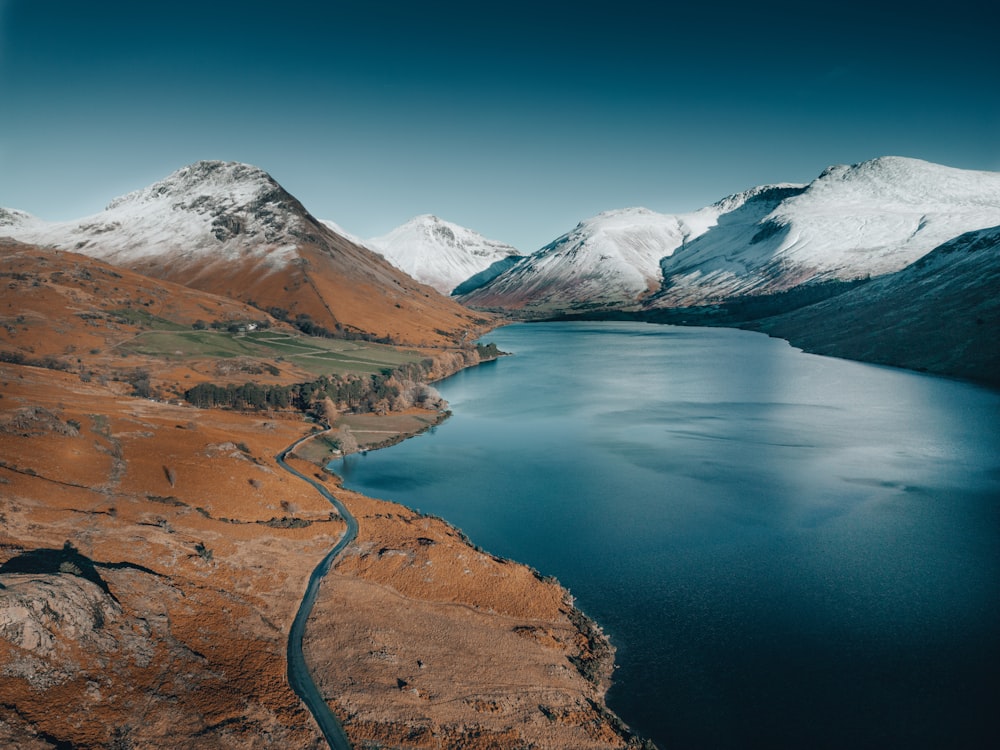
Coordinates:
(594,661)
(813,338)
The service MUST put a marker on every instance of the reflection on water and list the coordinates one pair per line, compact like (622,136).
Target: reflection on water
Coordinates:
(787,550)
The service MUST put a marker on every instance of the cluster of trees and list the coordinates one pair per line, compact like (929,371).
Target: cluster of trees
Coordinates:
(47,361)
(356,393)
(139,380)
(232,326)
(488,351)
(246,396)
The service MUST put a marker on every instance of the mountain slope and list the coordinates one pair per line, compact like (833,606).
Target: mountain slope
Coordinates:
(230,229)
(609,261)
(439,253)
(14,221)
(940,314)
(72,306)
(852,221)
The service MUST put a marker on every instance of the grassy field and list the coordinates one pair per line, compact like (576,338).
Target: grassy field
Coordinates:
(373,431)
(316,355)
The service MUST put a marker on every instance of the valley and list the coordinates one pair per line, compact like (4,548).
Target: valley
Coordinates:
(158,357)
(153,552)
(777,258)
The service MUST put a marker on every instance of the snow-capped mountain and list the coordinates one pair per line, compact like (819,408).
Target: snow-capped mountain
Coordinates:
(609,260)
(941,314)
(852,221)
(207,212)
(440,253)
(231,229)
(613,259)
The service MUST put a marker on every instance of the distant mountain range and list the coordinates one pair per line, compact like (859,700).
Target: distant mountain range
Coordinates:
(851,222)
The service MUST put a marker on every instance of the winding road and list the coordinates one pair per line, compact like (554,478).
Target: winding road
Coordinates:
(298,672)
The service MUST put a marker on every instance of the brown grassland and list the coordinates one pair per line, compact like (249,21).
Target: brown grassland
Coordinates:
(153,555)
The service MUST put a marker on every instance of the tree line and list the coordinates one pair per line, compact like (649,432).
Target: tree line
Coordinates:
(355,393)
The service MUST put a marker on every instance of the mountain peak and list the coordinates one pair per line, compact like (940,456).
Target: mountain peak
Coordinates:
(438,252)
(230,228)
(235,180)
(426,219)
(212,210)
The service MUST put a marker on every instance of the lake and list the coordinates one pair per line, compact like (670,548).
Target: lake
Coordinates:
(787,550)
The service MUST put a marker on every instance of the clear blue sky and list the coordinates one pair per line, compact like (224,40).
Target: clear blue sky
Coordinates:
(516,119)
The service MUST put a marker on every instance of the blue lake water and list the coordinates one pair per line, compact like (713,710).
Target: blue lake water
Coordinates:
(787,550)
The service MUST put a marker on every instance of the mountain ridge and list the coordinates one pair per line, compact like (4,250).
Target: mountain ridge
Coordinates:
(852,221)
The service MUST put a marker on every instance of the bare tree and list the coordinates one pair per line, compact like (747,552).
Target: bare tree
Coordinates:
(346,442)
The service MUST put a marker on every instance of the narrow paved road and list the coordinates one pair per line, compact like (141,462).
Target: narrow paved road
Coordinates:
(298,673)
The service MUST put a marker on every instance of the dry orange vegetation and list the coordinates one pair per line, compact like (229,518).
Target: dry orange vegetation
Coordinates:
(192,643)
(337,283)
(153,555)
(449,646)
(67,308)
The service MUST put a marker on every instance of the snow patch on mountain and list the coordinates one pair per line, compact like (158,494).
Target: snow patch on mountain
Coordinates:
(337,229)
(439,253)
(13,221)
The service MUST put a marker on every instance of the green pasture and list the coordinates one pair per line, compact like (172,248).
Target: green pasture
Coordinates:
(315,355)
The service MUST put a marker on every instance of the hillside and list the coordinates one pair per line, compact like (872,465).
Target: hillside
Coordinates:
(940,314)
(854,221)
(230,229)
(153,554)
(608,261)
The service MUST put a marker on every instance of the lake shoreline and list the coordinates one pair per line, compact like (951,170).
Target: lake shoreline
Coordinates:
(593,659)
(801,414)
(814,338)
